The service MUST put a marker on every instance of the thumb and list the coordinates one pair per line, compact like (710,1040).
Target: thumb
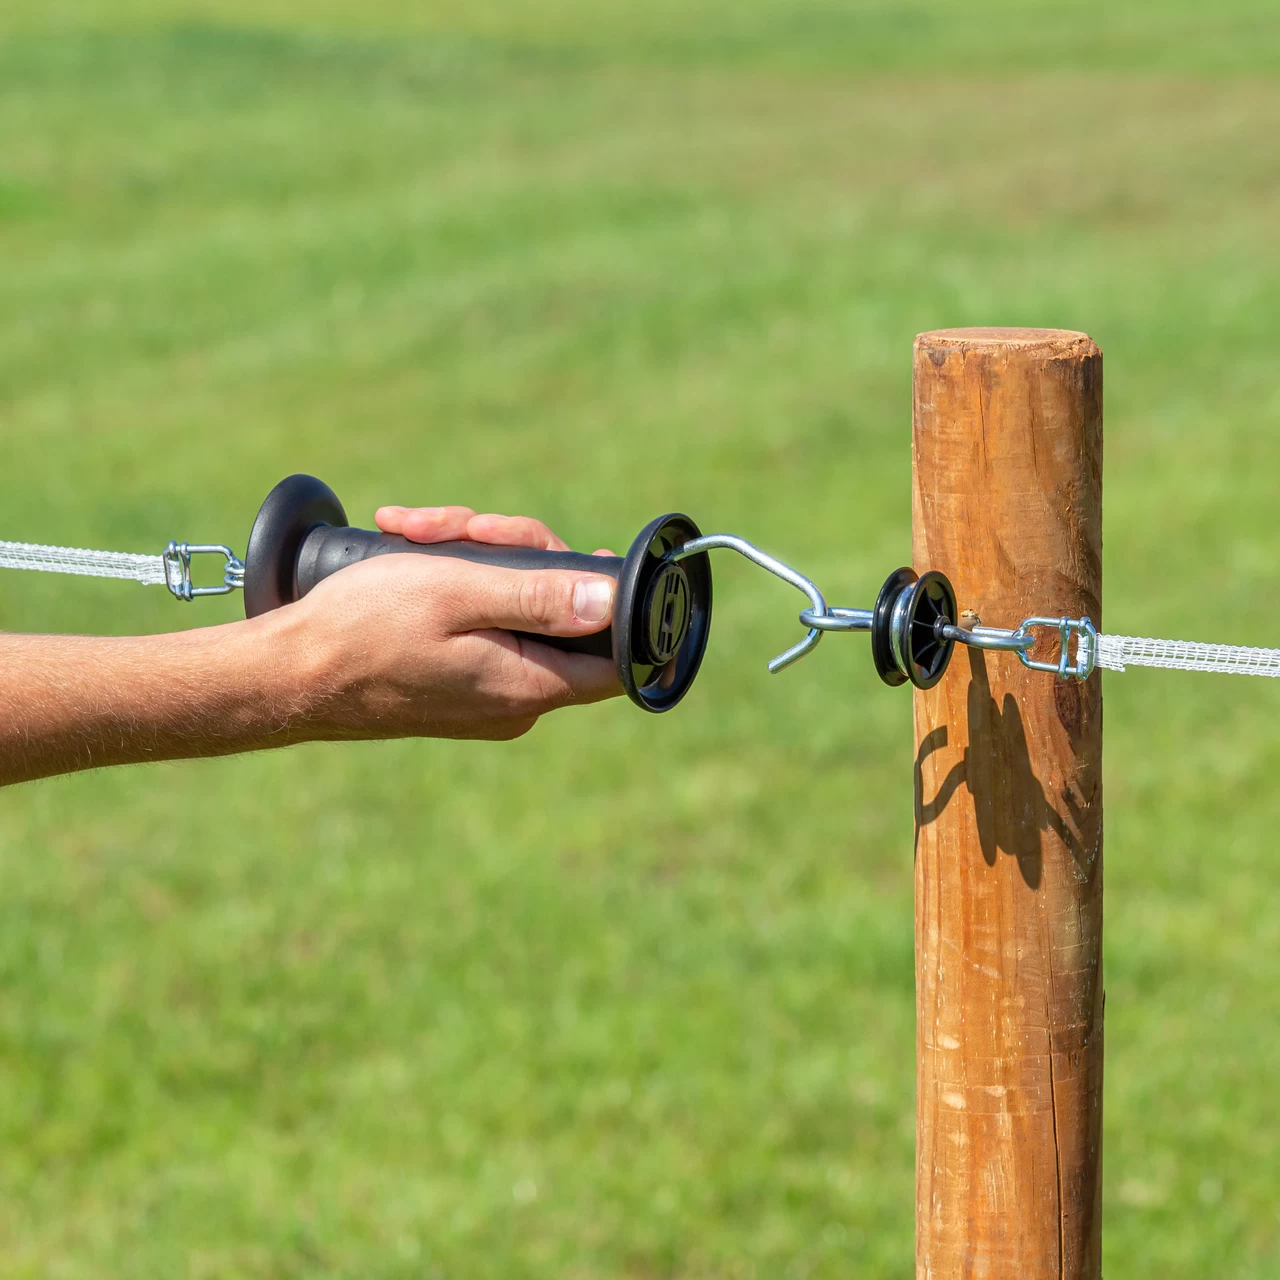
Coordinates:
(549,602)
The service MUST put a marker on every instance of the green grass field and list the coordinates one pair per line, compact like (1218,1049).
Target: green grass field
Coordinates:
(633,996)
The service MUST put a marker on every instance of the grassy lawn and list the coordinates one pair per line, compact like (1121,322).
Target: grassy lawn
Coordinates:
(633,996)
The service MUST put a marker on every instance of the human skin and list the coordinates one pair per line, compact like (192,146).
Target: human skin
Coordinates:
(394,647)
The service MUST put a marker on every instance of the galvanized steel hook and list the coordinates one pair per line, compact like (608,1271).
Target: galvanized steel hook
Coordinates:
(731,542)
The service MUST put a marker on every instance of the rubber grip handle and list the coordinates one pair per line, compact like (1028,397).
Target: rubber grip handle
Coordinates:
(328,548)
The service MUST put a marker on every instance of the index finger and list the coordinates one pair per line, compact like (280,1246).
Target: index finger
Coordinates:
(462,524)
(514,531)
(426,524)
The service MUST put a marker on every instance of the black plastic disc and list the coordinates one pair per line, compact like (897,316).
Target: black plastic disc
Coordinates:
(653,607)
(292,509)
(906,628)
(895,584)
(932,605)
(667,610)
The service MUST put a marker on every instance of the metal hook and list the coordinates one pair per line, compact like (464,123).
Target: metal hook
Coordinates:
(731,542)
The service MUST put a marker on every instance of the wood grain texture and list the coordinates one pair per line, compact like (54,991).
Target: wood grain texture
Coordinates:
(1007,501)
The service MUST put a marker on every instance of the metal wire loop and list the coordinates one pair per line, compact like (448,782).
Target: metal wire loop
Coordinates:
(731,542)
(177,569)
(837,619)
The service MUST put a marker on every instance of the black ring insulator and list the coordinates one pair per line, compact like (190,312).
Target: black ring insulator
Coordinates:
(895,584)
(906,628)
(927,651)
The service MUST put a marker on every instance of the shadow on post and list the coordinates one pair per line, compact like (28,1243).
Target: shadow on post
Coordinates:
(1010,805)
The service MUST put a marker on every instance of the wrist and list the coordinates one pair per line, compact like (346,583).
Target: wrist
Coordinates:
(291,670)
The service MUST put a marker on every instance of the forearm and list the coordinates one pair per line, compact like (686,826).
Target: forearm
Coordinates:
(394,647)
(80,702)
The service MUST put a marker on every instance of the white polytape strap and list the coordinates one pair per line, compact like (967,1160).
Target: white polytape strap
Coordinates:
(1114,653)
(1117,652)
(89,564)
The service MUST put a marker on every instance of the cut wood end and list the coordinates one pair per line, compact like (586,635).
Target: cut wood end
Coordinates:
(1048,342)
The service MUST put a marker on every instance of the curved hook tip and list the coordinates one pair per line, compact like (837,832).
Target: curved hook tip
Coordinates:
(795,653)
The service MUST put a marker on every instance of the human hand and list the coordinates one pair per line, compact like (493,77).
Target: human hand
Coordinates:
(405,645)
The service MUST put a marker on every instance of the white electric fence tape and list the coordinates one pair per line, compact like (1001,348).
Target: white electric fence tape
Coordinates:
(89,564)
(1114,653)
(1117,652)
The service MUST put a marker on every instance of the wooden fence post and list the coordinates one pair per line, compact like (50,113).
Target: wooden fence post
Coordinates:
(1007,501)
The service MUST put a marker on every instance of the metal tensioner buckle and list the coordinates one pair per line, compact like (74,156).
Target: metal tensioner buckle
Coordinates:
(1023,640)
(177,569)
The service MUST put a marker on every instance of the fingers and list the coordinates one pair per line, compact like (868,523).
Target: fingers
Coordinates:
(529,678)
(560,679)
(426,524)
(451,524)
(550,602)
(514,531)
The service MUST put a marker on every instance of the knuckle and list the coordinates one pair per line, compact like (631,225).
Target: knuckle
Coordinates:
(528,688)
(546,690)
(541,536)
(541,600)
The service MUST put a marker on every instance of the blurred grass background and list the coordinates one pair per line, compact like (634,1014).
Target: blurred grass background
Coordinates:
(633,996)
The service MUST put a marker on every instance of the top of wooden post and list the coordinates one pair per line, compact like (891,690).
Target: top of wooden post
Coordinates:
(1051,342)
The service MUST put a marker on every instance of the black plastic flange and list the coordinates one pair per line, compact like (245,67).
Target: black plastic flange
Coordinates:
(895,584)
(907,641)
(295,507)
(661,613)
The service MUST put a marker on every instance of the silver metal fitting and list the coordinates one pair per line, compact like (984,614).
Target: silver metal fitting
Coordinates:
(1023,640)
(1086,647)
(177,569)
